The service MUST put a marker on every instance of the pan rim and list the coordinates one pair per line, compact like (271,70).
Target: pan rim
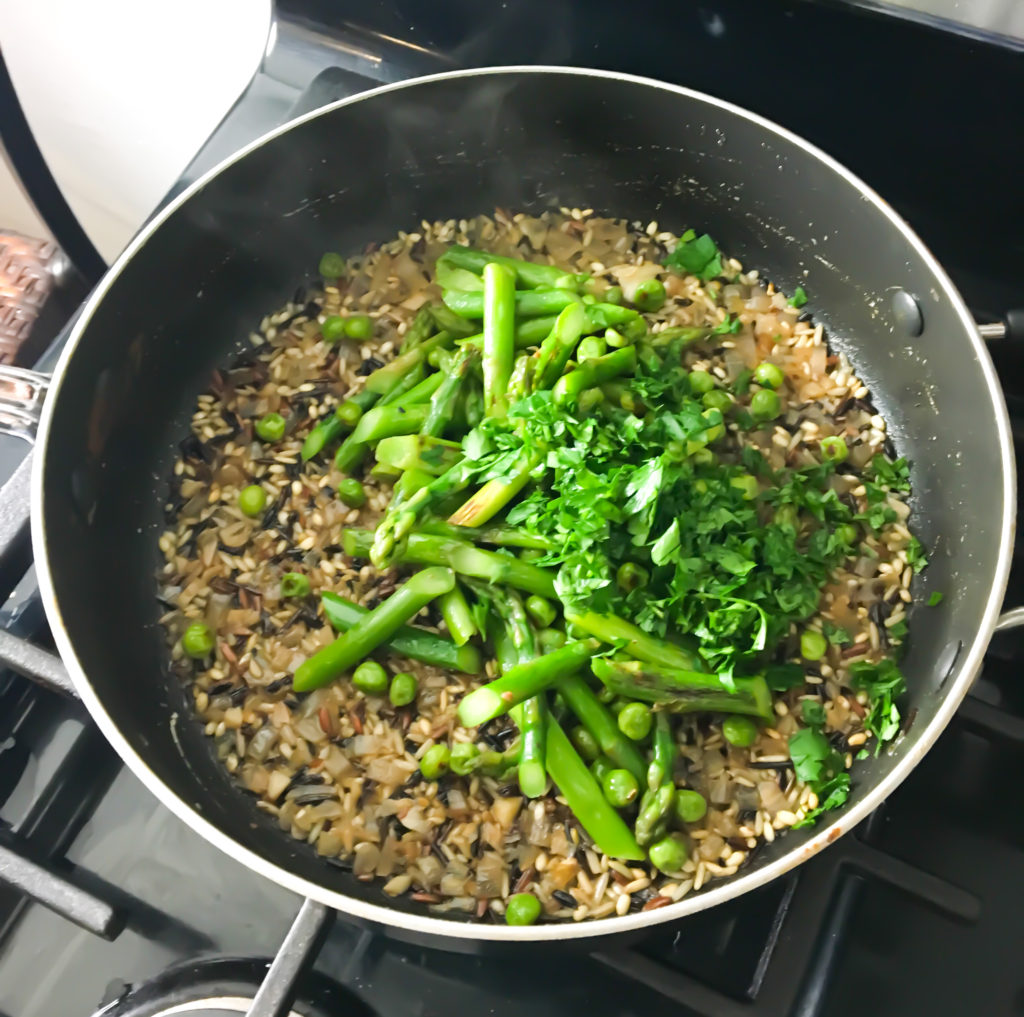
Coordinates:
(718,893)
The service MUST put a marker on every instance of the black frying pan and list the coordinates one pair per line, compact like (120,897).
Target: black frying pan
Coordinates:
(193,283)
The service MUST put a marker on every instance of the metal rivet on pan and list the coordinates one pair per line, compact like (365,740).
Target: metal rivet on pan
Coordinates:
(947,661)
(907,312)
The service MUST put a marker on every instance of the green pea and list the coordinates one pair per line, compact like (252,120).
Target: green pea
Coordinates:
(690,805)
(333,328)
(616,340)
(717,399)
(463,758)
(586,744)
(701,382)
(847,533)
(765,405)
(403,689)
(352,493)
(552,639)
(358,326)
(630,576)
(434,763)
(592,346)
(769,375)
(834,449)
(332,265)
(370,678)
(605,694)
(620,788)
(739,731)
(618,704)
(649,295)
(613,295)
(813,645)
(197,640)
(540,610)
(270,427)
(349,413)
(635,721)
(522,909)
(670,853)
(600,768)
(294,584)
(747,485)
(252,500)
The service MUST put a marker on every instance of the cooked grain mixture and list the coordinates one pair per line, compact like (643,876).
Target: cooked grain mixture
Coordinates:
(340,768)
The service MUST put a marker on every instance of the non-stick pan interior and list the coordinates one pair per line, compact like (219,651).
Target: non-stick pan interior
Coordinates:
(194,288)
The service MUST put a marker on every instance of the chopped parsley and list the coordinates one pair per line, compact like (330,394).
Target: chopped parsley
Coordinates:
(799,297)
(697,256)
(730,326)
(916,558)
(883,682)
(836,635)
(935,599)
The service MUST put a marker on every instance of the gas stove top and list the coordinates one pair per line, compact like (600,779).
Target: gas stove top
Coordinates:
(110,904)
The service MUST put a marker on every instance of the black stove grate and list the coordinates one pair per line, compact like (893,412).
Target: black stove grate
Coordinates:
(776,952)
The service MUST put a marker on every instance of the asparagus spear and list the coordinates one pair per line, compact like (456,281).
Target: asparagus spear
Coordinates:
(520,381)
(529,274)
(421,392)
(652,818)
(522,682)
(421,329)
(448,321)
(393,530)
(600,722)
(407,382)
(376,627)
(528,303)
(443,402)
(463,557)
(457,616)
(414,451)
(499,534)
(380,422)
(384,378)
(684,691)
(633,640)
(664,752)
(494,495)
(557,347)
(499,326)
(531,716)
(407,641)
(534,330)
(586,800)
(327,430)
(570,387)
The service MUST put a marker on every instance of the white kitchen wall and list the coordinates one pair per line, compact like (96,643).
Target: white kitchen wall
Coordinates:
(121,93)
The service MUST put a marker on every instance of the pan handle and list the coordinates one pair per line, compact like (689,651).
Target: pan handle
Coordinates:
(1010,327)
(21,401)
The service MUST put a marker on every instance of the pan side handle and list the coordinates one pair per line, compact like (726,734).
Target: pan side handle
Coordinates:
(1012,619)
(21,401)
